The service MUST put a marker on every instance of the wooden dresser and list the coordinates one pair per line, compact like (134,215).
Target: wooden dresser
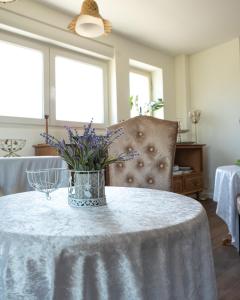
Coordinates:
(189,155)
(45,150)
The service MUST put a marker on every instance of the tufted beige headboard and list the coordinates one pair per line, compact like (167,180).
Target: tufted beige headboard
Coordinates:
(155,141)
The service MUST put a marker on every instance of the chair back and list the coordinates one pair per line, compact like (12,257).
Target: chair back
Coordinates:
(155,141)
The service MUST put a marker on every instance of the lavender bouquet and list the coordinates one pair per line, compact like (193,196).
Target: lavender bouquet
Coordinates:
(88,152)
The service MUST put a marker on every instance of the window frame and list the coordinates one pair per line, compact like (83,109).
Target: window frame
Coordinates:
(144,73)
(57,51)
(28,43)
(49,99)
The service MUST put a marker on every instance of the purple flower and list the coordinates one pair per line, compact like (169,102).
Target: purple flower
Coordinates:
(88,151)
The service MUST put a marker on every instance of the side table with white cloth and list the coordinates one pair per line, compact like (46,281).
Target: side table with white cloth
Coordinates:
(13,177)
(144,244)
(226,189)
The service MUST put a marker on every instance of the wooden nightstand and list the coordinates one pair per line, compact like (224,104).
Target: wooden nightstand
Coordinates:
(189,155)
(45,150)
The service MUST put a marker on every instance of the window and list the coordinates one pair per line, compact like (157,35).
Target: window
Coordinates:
(22,80)
(140,91)
(80,90)
(37,79)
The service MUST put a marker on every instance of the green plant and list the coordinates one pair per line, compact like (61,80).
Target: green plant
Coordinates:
(133,102)
(155,105)
(238,162)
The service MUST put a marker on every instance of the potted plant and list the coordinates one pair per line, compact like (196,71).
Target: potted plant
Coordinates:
(87,156)
(154,106)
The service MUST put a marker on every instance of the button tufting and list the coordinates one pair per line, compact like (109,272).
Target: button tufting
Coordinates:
(161,166)
(140,164)
(150,181)
(120,165)
(130,180)
(130,149)
(140,134)
(151,149)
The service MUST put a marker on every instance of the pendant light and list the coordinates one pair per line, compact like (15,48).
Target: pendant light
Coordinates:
(89,23)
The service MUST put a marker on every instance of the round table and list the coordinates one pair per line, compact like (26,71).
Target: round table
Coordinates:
(145,244)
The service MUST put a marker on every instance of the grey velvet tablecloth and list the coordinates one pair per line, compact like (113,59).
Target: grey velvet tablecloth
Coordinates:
(13,177)
(145,244)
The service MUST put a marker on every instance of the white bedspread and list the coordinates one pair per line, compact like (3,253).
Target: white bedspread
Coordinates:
(226,189)
(13,178)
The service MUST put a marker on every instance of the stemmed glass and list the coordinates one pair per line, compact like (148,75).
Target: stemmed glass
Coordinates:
(195,118)
(48,180)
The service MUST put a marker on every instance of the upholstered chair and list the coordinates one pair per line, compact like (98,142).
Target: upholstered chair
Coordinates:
(155,141)
(238,208)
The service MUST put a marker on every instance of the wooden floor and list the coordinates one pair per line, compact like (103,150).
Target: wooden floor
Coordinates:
(226,258)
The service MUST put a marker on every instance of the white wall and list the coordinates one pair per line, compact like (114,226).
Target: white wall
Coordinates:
(124,50)
(215,90)
(182,82)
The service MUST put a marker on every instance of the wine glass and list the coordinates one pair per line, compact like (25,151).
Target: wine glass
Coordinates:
(195,118)
(48,180)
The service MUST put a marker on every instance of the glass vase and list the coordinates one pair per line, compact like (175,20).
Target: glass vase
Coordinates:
(86,189)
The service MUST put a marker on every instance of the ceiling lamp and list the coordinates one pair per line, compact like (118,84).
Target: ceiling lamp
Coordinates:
(89,22)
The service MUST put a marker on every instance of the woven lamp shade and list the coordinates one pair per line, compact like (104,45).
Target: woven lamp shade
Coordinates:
(89,22)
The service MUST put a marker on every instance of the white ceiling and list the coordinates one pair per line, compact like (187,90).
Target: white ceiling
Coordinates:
(176,26)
